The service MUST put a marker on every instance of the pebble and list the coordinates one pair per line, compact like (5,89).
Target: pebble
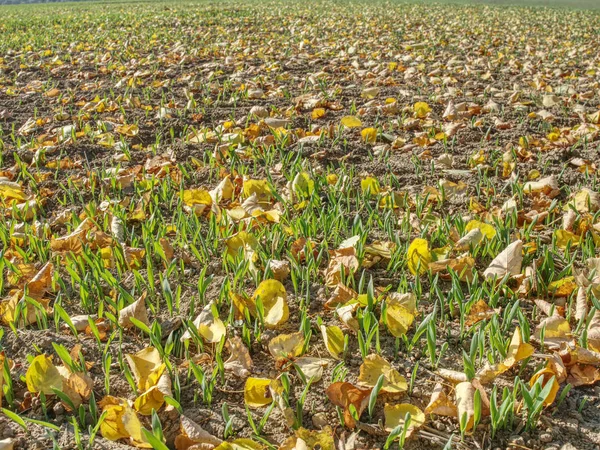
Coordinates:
(546,438)
(440,426)
(58,409)
(8,432)
(319,420)
(517,440)
(568,446)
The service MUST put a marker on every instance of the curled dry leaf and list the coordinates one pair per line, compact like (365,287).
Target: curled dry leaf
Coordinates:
(208,325)
(478,312)
(121,422)
(517,351)
(137,310)
(452,375)
(508,262)
(471,239)
(280,269)
(287,346)
(273,296)
(583,375)
(7,444)
(547,186)
(239,361)
(194,437)
(341,259)
(440,403)
(465,394)
(400,312)
(344,395)
(341,294)
(311,368)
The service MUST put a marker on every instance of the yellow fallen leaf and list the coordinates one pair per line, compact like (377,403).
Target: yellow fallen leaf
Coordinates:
(351,122)
(317,113)
(373,367)
(547,375)
(370,185)
(197,200)
(418,256)
(303,185)
(43,376)
(144,365)
(398,319)
(128,130)
(396,414)
(556,328)
(273,296)
(256,392)
(258,187)
(486,229)
(563,287)
(10,190)
(333,337)
(517,351)
(121,422)
(208,324)
(369,135)
(287,346)
(240,444)
(421,110)
(304,439)
(565,238)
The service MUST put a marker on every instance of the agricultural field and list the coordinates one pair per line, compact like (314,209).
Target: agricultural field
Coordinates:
(299,225)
